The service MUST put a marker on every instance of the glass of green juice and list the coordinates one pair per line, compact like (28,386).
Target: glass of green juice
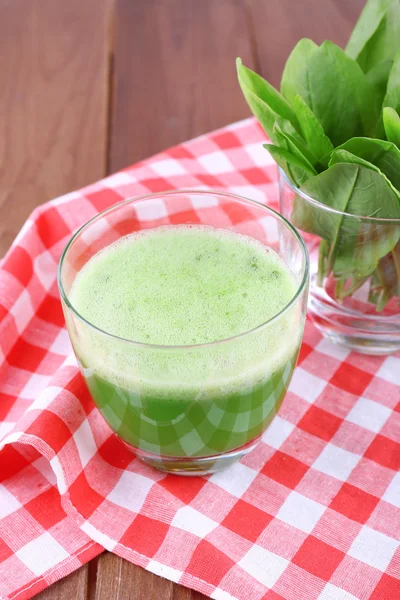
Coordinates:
(186,311)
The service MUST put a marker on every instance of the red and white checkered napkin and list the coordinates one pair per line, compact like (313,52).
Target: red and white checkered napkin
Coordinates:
(312,513)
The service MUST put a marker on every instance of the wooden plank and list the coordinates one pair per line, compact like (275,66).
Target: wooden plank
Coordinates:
(120,580)
(279,24)
(174,72)
(73,587)
(53,102)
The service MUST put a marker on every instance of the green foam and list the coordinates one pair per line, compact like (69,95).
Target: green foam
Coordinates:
(182,285)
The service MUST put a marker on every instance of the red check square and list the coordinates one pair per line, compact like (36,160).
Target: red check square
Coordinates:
(285,469)
(246,520)
(385,452)
(46,508)
(81,489)
(58,432)
(51,227)
(318,558)
(26,356)
(182,488)
(12,462)
(320,423)
(226,140)
(50,311)
(351,379)
(137,535)
(388,587)
(19,263)
(209,563)
(354,503)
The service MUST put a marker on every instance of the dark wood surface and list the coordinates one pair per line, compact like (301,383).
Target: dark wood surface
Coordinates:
(89,87)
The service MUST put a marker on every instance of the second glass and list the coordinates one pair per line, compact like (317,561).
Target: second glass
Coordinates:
(189,409)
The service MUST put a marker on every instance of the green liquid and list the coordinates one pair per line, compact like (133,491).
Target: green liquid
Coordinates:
(179,286)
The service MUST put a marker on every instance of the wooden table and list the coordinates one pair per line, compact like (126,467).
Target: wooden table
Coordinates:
(90,86)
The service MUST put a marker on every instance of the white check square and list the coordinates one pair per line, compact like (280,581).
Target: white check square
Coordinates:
(22,310)
(45,398)
(8,502)
(85,443)
(336,462)
(236,479)
(369,414)
(167,167)
(332,592)
(152,209)
(300,512)
(259,155)
(373,548)
(331,349)
(41,554)
(392,492)
(164,571)
(131,491)
(216,162)
(193,521)
(306,385)
(277,432)
(390,370)
(45,266)
(34,386)
(263,565)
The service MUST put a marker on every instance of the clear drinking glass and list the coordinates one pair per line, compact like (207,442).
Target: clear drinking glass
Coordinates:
(355,277)
(189,409)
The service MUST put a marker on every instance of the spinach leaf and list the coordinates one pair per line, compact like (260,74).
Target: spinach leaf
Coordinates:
(392,97)
(313,133)
(376,36)
(356,245)
(391,122)
(266,92)
(378,78)
(297,169)
(336,91)
(294,77)
(384,155)
(367,25)
(268,106)
(293,142)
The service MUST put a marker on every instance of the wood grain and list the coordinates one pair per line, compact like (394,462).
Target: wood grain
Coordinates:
(53,102)
(174,69)
(119,580)
(73,587)
(279,24)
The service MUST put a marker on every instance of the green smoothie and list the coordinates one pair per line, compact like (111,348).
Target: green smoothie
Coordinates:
(171,293)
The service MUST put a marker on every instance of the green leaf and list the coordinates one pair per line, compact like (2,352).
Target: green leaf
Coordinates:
(378,78)
(391,122)
(293,142)
(392,97)
(336,90)
(376,36)
(297,169)
(356,245)
(266,103)
(368,23)
(294,76)
(384,155)
(317,142)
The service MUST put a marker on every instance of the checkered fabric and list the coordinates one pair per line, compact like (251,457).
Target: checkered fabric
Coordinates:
(312,513)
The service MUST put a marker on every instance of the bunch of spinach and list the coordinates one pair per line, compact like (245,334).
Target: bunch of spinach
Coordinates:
(335,132)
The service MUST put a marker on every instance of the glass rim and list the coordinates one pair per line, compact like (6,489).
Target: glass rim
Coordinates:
(300,286)
(305,196)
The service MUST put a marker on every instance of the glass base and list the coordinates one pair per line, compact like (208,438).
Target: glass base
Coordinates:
(194,466)
(365,333)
